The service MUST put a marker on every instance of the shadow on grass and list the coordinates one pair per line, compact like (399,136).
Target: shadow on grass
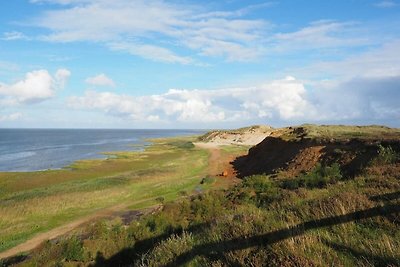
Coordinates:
(216,249)
(128,256)
(372,259)
(13,260)
(386,197)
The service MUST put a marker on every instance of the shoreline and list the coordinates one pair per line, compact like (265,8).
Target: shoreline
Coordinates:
(140,145)
(57,197)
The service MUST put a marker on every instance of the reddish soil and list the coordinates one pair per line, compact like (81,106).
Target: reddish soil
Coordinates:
(294,157)
(221,167)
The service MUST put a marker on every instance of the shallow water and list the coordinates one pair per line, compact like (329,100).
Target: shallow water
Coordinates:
(41,149)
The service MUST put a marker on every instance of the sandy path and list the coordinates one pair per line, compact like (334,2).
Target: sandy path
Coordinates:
(216,162)
(64,229)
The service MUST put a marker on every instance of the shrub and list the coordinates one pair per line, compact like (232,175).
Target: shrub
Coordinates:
(73,249)
(265,190)
(260,183)
(385,155)
(320,177)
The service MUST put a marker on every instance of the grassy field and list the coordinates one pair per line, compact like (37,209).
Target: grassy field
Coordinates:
(33,202)
(346,222)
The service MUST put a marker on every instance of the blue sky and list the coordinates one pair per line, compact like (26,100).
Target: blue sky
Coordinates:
(191,64)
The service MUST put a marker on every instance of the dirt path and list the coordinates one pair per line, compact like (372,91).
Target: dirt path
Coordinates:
(64,229)
(217,163)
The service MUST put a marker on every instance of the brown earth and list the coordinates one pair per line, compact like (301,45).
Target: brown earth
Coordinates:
(296,156)
(220,166)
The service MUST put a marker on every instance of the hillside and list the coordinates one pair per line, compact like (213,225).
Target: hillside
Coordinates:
(295,150)
(310,196)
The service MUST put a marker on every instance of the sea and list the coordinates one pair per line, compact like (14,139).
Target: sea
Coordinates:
(24,150)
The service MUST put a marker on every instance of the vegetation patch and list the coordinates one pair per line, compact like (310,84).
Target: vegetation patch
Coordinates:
(255,222)
(182,144)
(319,177)
(385,155)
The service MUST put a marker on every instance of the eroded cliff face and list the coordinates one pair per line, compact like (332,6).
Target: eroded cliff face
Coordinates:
(293,151)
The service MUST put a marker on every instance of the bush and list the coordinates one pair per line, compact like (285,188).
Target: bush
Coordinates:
(265,190)
(260,183)
(385,155)
(73,249)
(319,177)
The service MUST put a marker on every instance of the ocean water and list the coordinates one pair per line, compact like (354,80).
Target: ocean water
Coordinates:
(41,149)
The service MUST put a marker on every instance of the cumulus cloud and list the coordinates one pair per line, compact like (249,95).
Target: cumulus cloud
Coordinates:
(37,86)
(280,99)
(100,80)
(10,117)
(362,99)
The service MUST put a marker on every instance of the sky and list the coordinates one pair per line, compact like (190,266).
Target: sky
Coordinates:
(198,64)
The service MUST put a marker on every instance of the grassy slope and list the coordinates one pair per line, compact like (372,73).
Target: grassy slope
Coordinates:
(342,132)
(251,224)
(37,201)
(345,222)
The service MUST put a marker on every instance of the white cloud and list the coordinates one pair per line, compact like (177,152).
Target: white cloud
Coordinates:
(382,61)
(386,4)
(152,52)
(281,99)
(360,99)
(322,34)
(129,25)
(37,86)
(13,36)
(61,77)
(100,80)
(367,100)
(10,117)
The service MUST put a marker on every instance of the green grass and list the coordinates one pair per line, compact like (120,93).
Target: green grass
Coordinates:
(35,202)
(339,132)
(198,231)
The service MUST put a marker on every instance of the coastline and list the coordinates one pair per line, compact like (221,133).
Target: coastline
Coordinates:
(30,150)
(34,203)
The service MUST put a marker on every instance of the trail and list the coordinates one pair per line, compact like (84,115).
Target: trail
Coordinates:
(64,229)
(218,163)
